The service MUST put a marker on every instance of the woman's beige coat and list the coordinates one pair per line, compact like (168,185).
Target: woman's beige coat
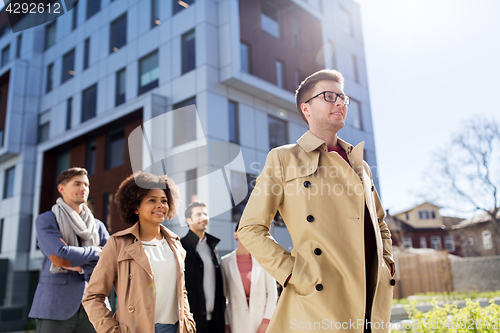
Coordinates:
(244,317)
(322,201)
(124,264)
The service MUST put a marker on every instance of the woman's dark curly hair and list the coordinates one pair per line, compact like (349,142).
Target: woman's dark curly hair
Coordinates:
(135,187)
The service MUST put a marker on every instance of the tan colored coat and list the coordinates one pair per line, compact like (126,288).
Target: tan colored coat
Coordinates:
(124,264)
(322,201)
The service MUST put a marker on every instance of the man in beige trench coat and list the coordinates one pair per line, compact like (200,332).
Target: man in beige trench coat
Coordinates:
(338,278)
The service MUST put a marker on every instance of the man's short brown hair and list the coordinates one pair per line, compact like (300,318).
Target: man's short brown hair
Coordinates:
(302,92)
(68,174)
(191,206)
(129,195)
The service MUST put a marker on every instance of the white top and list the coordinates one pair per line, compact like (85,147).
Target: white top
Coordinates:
(164,266)
(205,253)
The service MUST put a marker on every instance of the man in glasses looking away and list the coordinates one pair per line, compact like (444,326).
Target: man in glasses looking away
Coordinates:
(339,275)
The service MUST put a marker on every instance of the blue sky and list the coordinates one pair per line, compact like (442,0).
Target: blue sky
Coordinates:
(432,65)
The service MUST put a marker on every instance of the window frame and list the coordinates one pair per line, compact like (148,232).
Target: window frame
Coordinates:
(65,74)
(85,108)
(186,53)
(154,83)
(115,43)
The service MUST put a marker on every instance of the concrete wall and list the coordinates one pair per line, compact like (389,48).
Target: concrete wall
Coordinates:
(475,274)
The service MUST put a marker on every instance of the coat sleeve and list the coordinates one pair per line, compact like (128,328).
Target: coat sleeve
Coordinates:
(271,296)
(225,281)
(255,222)
(384,229)
(189,323)
(99,288)
(103,238)
(49,235)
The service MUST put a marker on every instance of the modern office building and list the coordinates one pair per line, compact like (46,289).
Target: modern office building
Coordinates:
(73,89)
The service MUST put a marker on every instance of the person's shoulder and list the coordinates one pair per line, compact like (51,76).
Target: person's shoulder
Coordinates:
(47,216)
(227,257)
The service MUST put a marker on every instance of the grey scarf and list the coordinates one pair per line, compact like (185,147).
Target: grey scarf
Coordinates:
(71,224)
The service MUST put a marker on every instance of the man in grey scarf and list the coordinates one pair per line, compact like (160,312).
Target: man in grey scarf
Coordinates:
(70,239)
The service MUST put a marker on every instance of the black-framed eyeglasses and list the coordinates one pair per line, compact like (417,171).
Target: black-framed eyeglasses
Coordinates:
(331,96)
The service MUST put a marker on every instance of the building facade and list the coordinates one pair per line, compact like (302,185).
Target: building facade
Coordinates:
(72,90)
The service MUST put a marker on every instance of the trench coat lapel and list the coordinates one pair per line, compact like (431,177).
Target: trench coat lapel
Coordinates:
(255,278)
(136,251)
(235,273)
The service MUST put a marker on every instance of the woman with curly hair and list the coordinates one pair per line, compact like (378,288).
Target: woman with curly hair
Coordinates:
(145,263)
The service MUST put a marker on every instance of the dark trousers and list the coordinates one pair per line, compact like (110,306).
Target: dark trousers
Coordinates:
(78,323)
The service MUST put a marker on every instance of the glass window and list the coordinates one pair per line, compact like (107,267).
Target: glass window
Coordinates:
(191,186)
(354,114)
(69,113)
(1,137)
(74,21)
(245,57)
(184,122)
(68,69)
(181,5)
(43,126)
(269,18)
(436,243)
(4,29)
(8,185)
(355,68)
(234,122)
(19,45)
(278,132)
(239,181)
(188,52)
(108,202)
(423,242)
(91,157)
(449,245)
(62,162)
(149,72)
(345,21)
(296,33)
(420,215)
(86,53)
(115,149)
(155,13)
(1,234)
(120,87)
(50,78)
(5,55)
(118,33)
(407,216)
(280,74)
(50,34)
(89,103)
(407,242)
(487,243)
(93,6)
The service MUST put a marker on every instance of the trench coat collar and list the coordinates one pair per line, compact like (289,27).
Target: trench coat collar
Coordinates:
(136,250)
(310,142)
(193,239)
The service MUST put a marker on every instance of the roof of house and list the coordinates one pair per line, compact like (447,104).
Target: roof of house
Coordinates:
(481,218)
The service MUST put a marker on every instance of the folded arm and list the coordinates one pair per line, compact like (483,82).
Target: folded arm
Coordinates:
(49,241)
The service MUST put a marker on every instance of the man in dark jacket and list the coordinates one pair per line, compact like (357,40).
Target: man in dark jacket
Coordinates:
(203,273)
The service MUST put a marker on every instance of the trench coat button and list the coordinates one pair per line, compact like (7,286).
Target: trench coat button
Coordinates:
(310,218)
(130,276)
(131,309)
(317,251)
(373,188)
(307,184)
(319,287)
(393,282)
